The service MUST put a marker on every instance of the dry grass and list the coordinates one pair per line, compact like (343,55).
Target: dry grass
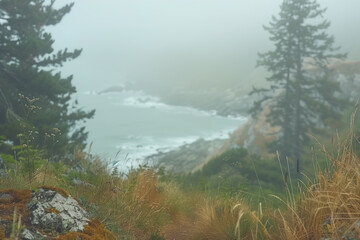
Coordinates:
(215,220)
(140,206)
(132,206)
(329,208)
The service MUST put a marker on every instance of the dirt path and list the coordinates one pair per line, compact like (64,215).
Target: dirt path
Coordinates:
(180,229)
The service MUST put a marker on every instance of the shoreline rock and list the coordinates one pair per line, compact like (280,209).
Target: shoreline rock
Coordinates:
(186,157)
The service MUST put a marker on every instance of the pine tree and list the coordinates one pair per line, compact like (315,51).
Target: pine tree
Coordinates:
(304,99)
(28,67)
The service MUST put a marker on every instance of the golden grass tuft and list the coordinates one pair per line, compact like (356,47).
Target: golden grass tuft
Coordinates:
(130,206)
(215,220)
(145,188)
(329,208)
(226,219)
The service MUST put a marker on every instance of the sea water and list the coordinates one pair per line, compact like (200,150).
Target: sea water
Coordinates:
(129,125)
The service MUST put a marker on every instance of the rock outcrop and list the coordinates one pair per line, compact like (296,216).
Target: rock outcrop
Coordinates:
(186,157)
(47,213)
(257,133)
(60,213)
(254,136)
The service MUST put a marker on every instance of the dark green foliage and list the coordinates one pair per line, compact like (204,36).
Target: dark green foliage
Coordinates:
(28,65)
(236,171)
(302,88)
(9,159)
(228,159)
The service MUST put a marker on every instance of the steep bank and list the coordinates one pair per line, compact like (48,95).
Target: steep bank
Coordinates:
(186,157)
(257,133)
(254,135)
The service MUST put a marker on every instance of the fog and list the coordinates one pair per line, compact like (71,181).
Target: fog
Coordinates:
(201,44)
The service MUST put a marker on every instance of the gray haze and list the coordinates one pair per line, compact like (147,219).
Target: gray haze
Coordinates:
(198,43)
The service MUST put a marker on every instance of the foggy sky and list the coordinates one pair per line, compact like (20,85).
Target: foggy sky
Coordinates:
(200,42)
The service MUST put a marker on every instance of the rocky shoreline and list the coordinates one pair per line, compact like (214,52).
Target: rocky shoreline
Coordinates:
(228,102)
(253,135)
(186,157)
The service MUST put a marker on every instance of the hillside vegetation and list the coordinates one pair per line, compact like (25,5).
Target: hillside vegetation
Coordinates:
(234,196)
(304,184)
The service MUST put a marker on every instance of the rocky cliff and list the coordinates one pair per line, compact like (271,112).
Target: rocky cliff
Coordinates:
(186,157)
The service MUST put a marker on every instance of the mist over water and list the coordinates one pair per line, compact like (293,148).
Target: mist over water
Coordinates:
(172,46)
(131,125)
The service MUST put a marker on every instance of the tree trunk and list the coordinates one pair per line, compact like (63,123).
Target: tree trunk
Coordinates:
(297,133)
(286,144)
(297,128)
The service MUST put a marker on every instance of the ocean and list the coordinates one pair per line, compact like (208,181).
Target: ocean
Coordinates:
(130,125)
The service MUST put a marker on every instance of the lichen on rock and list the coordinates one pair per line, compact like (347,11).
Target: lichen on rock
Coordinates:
(66,215)
(48,213)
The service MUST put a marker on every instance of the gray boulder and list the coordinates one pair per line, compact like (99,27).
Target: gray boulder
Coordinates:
(46,213)
(54,212)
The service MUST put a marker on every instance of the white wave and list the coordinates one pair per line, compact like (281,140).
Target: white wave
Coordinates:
(147,146)
(134,149)
(144,101)
(139,99)
(133,154)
